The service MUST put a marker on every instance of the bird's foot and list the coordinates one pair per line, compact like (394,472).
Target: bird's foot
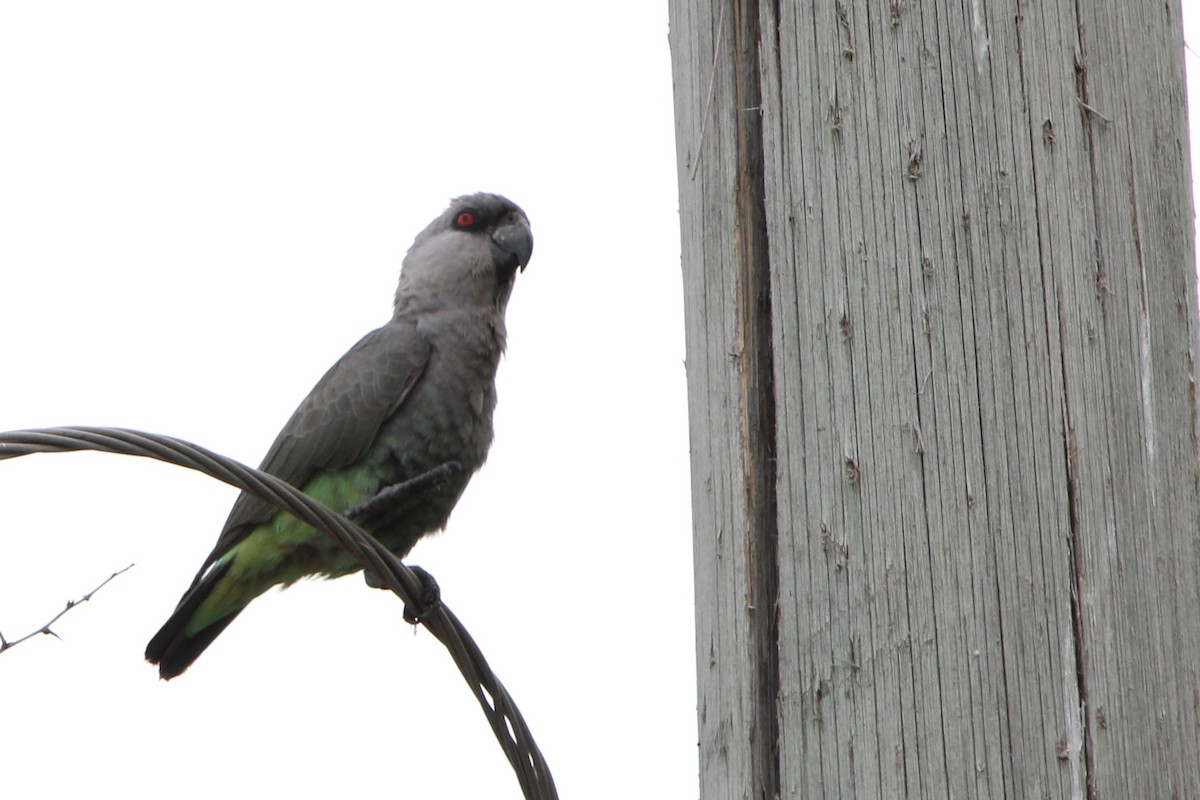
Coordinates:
(374,580)
(428,601)
(429,598)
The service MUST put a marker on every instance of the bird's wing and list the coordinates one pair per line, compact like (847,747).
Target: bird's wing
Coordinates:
(338,421)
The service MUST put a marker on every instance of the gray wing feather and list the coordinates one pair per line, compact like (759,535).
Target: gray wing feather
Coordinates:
(338,421)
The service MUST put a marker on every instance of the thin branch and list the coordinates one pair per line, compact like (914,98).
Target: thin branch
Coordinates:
(46,629)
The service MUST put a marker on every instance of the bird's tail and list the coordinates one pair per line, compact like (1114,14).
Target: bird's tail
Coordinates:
(178,643)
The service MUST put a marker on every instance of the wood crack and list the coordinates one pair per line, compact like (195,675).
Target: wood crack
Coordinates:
(757,398)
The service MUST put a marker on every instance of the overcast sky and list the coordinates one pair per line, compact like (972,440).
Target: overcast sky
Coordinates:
(201,208)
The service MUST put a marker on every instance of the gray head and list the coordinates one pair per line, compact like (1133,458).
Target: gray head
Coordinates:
(467,257)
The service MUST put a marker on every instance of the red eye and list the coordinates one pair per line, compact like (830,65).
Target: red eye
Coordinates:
(465,219)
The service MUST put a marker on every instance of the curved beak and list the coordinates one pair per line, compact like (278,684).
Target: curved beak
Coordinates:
(514,237)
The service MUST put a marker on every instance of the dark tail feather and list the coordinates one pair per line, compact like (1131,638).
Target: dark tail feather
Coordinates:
(172,649)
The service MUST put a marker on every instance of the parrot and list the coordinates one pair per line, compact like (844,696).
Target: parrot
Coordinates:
(410,397)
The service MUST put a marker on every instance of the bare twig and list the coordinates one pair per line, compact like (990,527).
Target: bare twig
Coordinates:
(46,629)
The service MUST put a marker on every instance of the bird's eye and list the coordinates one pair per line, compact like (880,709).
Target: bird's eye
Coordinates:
(465,219)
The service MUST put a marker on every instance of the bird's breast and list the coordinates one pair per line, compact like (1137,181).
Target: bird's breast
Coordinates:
(448,414)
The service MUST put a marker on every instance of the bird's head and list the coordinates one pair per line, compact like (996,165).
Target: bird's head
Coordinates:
(467,257)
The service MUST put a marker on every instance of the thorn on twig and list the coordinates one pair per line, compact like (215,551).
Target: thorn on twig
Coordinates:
(46,629)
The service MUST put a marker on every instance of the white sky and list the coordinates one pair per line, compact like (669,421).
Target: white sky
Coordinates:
(201,208)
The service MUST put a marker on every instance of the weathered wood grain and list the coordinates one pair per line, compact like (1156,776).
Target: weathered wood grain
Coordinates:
(983,532)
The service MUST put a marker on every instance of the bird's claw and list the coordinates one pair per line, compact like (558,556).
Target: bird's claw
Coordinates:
(429,599)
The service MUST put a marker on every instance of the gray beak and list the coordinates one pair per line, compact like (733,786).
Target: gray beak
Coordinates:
(515,238)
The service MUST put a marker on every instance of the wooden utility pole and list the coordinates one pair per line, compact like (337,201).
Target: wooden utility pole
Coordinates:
(941,350)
